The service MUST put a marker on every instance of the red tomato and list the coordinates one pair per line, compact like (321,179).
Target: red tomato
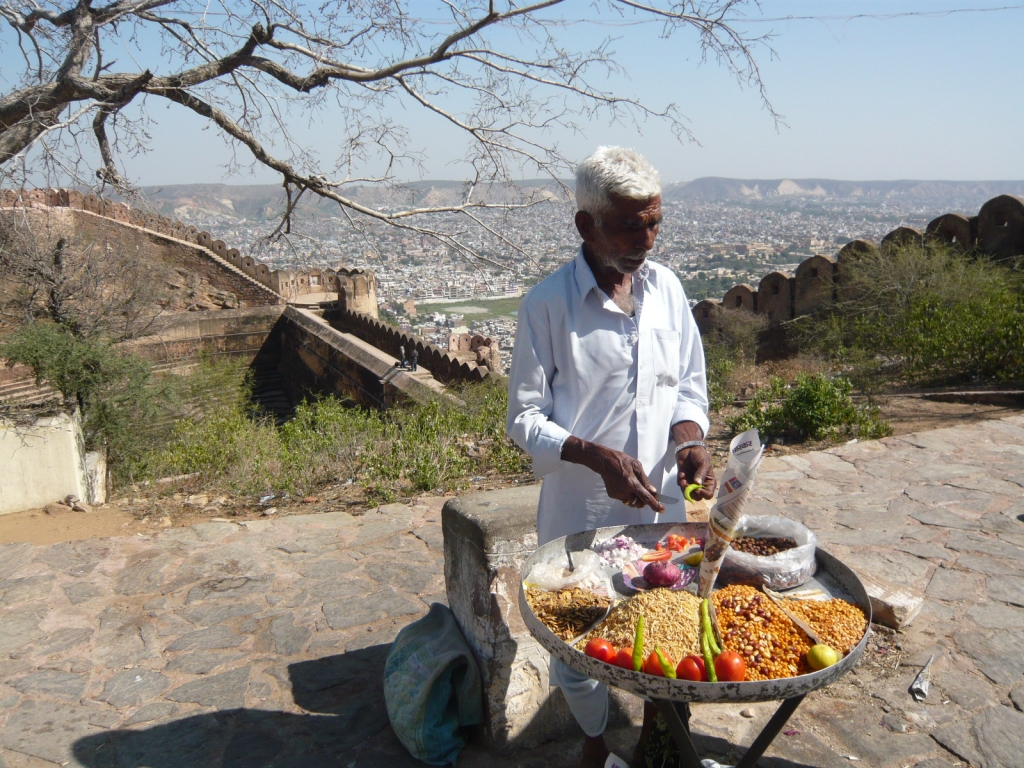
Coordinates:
(601,650)
(677,543)
(730,667)
(651,665)
(624,658)
(692,668)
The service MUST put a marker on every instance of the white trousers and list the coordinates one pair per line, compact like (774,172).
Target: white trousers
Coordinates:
(587,698)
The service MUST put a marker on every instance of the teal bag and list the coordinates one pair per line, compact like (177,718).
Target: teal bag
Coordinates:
(432,687)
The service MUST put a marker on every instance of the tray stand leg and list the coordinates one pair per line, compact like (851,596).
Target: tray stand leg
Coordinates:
(769,732)
(677,717)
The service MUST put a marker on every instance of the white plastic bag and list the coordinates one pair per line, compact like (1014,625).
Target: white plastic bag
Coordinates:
(588,573)
(783,570)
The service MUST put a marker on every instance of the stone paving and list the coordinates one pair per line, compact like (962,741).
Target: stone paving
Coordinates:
(263,644)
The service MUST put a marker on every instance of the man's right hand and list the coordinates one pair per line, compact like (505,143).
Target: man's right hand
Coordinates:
(624,477)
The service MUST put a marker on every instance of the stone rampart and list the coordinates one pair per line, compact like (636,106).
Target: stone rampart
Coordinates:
(182,339)
(314,358)
(477,348)
(321,360)
(445,366)
(356,288)
(997,232)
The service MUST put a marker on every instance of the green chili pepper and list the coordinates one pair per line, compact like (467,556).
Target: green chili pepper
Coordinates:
(709,661)
(638,645)
(705,617)
(666,668)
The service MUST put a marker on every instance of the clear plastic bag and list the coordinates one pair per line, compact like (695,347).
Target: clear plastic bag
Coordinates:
(588,573)
(783,570)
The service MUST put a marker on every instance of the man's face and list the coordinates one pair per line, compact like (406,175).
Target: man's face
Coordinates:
(626,233)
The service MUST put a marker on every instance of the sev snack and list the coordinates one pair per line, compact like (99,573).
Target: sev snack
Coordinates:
(566,612)
(751,624)
(838,623)
(670,621)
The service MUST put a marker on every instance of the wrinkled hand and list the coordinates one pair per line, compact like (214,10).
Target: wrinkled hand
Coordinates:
(694,466)
(625,479)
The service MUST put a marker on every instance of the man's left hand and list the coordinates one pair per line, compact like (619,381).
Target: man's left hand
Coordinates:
(694,466)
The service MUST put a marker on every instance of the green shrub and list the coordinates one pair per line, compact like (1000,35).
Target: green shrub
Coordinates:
(924,315)
(112,389)
(936,340)
(732,341)
(204,423)
(437,445)
(815,408)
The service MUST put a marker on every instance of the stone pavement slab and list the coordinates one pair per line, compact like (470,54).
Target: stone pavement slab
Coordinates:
(263,644)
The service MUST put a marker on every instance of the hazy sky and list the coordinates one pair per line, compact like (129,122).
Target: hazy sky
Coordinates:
(924,97)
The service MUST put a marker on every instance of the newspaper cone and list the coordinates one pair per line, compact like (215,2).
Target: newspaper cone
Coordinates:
(738,481)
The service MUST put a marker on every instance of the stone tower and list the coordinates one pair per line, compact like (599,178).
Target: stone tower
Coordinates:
(357,290)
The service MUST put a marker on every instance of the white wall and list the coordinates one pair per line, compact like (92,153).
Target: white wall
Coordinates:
(41,462)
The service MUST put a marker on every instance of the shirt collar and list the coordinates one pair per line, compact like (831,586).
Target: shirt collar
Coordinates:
(586,282)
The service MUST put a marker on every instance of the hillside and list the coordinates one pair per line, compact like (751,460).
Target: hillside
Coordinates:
(264,201)
(713,188)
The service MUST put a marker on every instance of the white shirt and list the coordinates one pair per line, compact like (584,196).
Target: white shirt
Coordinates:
(581,366)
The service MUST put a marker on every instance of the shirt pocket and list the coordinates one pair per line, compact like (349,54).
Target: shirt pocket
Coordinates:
(666,357)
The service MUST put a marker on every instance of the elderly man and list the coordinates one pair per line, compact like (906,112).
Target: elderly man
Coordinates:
(607,390)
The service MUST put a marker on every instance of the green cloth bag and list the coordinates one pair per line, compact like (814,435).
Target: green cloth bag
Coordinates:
(432,687)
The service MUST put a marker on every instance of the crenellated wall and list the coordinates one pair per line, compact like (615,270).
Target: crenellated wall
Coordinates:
(997,231)
(480,349)
(443,365)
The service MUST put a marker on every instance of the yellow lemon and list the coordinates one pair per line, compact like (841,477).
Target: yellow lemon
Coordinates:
(822,656)
(693,558)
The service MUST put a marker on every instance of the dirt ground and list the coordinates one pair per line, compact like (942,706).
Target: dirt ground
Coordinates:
(145,509)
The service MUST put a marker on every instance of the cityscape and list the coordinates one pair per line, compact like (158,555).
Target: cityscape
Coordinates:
(430,289)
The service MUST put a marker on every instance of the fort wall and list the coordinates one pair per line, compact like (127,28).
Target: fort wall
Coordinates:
(445,366)
(316,358)
(997,232)
(356,288)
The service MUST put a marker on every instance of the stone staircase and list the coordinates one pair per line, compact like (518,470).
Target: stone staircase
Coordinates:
(269,393)
(25,392)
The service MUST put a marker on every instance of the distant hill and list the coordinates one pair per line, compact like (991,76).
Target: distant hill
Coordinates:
(713,188)
(264,201)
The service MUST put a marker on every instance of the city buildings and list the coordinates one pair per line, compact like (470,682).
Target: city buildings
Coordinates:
(710,245)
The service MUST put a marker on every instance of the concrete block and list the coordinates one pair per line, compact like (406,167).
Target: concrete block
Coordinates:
(96,474)
(41,462)
(891,605)
(487,536)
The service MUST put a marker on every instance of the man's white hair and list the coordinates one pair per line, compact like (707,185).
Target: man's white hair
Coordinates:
(617,171)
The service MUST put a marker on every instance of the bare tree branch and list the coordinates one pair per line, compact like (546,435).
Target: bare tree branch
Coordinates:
(502,75)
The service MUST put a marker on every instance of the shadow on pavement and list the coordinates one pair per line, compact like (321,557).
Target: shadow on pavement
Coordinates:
(347,727)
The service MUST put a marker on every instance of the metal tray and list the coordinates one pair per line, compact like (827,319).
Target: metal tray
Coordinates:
(832,576)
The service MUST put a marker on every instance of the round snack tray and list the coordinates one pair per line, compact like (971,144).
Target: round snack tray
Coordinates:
(674,696)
